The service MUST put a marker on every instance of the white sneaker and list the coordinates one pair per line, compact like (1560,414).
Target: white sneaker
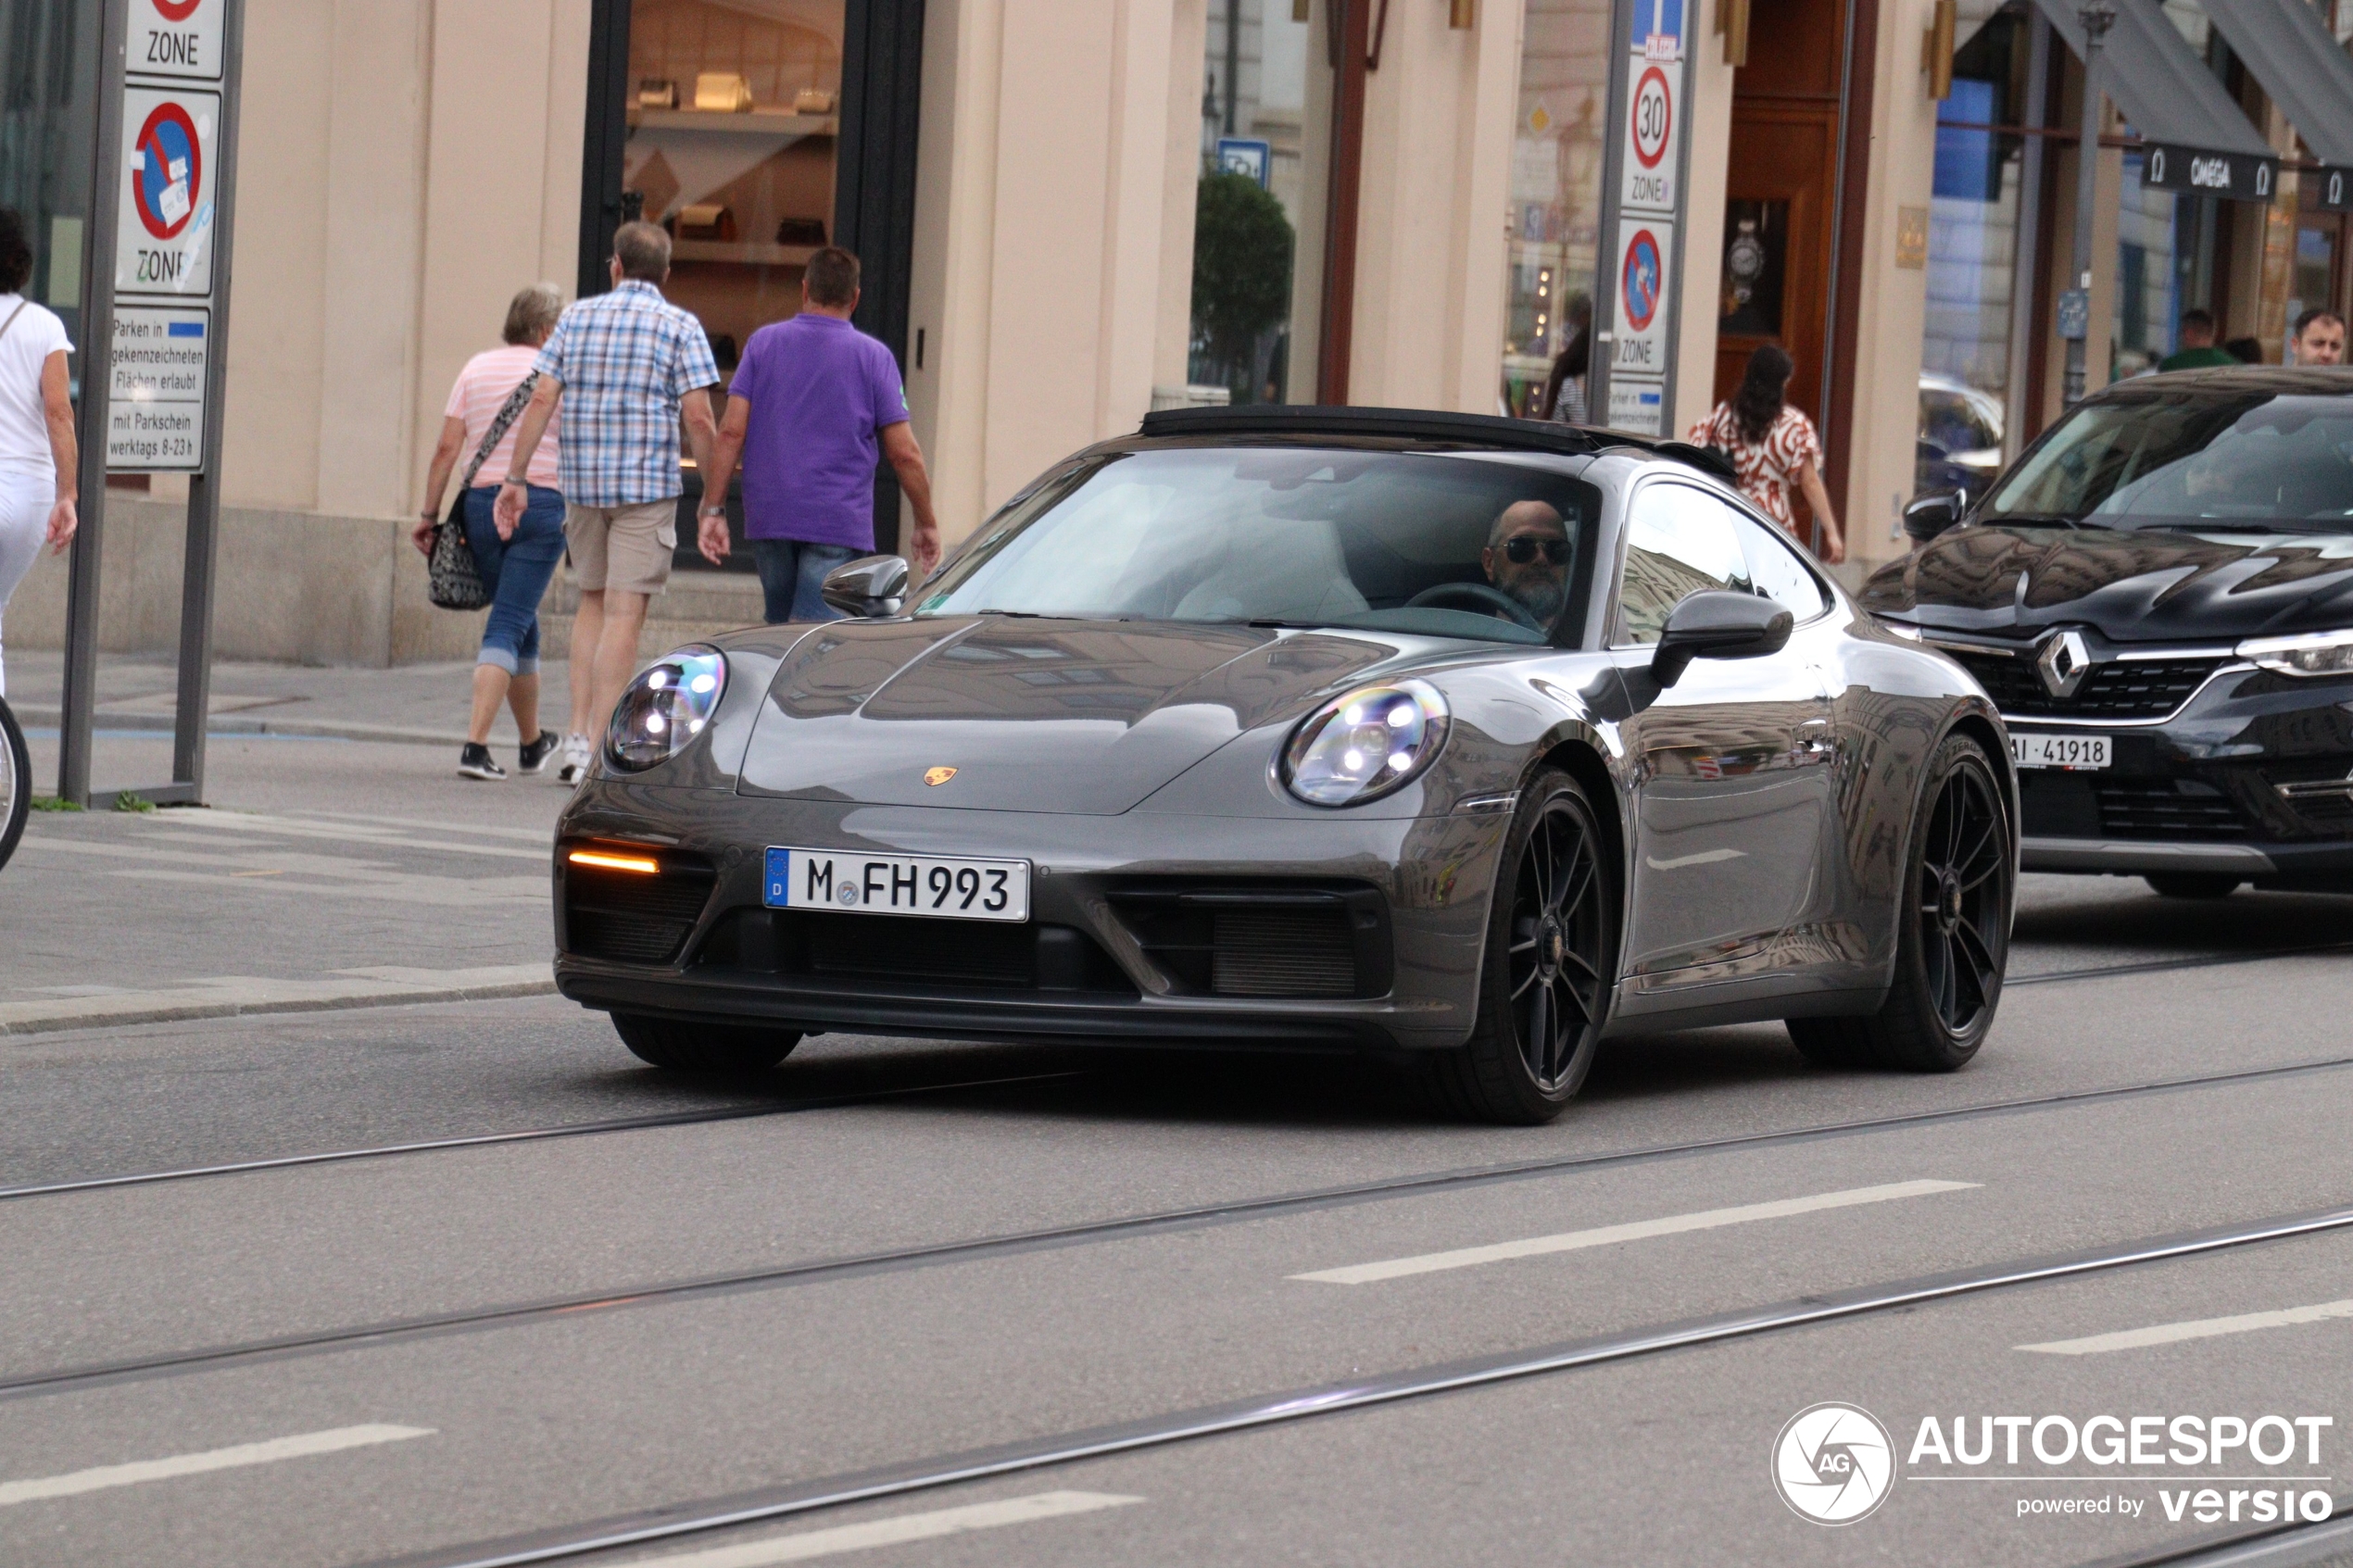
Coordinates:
(575,766)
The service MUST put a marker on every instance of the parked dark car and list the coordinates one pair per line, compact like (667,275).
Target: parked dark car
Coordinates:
(1456,739)
(2159,594)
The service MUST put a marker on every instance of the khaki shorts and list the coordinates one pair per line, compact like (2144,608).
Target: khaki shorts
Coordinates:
(626,549)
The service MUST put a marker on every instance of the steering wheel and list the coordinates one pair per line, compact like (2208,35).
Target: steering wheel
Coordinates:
(1481,598)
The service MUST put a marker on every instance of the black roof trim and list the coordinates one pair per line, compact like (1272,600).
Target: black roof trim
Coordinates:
(1419,424)
(2324,379)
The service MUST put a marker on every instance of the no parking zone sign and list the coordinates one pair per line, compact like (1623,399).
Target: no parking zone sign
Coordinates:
(1640,351)
(169,202)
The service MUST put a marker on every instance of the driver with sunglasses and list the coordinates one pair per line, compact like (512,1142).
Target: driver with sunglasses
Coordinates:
(1527,556)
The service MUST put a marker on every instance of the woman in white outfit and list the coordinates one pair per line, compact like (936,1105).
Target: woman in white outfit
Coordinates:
(39,462)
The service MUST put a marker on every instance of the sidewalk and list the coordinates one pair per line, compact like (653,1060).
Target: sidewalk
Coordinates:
(425,703)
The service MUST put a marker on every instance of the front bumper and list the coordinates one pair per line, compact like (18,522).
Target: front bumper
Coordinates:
(1420,889)
(2252,778)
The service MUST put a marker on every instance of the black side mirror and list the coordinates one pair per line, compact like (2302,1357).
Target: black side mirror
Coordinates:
(869,587)
(1932,512)
(1717,624)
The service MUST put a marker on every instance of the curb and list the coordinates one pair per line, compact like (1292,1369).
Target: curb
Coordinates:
(231,725)
(94,1014)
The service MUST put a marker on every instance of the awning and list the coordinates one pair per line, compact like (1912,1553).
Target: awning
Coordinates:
(2198,139)
(2288,49)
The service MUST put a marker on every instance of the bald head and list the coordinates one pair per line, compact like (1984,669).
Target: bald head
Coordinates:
(1526,517)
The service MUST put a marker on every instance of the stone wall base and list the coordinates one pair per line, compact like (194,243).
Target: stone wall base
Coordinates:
(302,588)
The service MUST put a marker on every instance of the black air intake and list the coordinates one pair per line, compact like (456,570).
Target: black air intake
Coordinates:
(629,917)
(1258,939)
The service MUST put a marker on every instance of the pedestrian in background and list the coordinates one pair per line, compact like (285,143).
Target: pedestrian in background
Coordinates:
(1773,445)
(40,463)
(625,366)
(2319,338)
(814,404)
(1565,391)
(514,560)
(2196,334)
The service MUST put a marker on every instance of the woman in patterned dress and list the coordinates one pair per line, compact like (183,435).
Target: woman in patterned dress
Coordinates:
(1773,445)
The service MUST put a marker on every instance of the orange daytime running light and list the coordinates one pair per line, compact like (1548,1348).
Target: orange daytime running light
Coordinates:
(615,862)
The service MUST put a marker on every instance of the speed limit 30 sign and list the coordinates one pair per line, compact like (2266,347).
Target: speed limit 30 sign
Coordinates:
(1653,119)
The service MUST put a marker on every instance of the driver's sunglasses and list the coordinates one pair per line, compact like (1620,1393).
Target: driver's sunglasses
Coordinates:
(1522,550)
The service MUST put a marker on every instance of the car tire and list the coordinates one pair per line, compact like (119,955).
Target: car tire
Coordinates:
(1550,957)
(2193,884)
(706,1050)
(1959,887)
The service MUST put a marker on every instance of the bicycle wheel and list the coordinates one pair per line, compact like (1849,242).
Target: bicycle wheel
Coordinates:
(16,784)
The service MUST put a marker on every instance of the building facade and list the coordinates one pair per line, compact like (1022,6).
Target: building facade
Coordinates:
(1072,211)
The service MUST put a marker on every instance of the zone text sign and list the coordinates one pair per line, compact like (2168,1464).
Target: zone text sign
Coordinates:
(170,155)
(1645,255)
(178,38)
(1648,161)
(155,409)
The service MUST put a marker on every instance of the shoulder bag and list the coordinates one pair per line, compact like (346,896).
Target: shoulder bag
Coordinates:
(453,580)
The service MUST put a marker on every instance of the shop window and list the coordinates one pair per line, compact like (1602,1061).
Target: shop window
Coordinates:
(1260,201)
(1554,213)
(1973,275)
(2150,237)
(733,118)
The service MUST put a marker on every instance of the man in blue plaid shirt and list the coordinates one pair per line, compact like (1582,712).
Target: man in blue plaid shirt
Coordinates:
(625,366)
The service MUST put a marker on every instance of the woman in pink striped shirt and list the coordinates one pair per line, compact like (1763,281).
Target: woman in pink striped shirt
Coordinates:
(516,563)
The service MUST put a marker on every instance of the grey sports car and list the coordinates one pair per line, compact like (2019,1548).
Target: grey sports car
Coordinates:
(1466,742)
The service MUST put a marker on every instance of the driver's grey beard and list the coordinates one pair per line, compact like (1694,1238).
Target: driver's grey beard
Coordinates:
(1540,597)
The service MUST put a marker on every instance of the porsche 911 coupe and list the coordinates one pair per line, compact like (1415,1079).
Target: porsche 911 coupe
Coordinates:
(1462,742)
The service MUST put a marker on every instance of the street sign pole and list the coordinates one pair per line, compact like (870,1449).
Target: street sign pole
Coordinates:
(154,362)
(202,561)
(97,360)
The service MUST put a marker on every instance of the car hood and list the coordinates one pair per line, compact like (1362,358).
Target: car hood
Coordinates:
(1032,715)
(2154,586)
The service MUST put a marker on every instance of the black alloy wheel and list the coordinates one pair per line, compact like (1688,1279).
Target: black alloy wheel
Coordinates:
(1544,991)
(1951,939)
(705,1050)
(1964,907)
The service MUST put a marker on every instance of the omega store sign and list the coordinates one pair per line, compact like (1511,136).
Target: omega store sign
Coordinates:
(2232,176)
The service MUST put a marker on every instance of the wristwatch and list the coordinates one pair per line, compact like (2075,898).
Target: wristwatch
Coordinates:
(511,479)
(720,510)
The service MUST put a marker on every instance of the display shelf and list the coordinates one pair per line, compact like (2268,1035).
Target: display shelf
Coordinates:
(753,122)
(755,253)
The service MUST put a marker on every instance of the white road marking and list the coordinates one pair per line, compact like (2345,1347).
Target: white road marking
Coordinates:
(298,1446)
(354,837)
(1705,858)
(545,837)
(891,1532)
(1639,1230)
(2197,1328)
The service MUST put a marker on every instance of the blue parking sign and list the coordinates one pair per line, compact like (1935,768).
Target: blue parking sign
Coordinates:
(1242,154)
(1659,29)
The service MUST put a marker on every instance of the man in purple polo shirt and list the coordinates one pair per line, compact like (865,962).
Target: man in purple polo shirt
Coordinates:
(815,402)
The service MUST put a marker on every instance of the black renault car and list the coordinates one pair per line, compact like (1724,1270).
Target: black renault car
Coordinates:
(2159,596)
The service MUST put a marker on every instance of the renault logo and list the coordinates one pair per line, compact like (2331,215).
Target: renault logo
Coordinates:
(2063,662)
(937,776)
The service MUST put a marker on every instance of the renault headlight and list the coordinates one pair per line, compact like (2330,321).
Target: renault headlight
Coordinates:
(1363,745)
(666,709)
(2315,653)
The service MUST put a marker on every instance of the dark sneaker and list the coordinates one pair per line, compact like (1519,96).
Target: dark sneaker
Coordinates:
(534,755)
(475,763)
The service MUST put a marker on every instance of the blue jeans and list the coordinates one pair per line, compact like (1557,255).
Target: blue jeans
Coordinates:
(791,572)
(516,571)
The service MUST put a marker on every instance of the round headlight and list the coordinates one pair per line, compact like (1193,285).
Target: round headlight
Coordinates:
(666,709)
(1361,747)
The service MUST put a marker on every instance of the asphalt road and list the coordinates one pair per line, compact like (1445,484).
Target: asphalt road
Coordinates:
(1187,1308)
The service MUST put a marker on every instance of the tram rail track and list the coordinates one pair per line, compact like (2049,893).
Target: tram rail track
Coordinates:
(1089,1233)
(1316,1401)
(828,1102)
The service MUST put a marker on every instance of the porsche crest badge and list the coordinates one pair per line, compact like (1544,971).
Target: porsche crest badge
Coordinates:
(937,776)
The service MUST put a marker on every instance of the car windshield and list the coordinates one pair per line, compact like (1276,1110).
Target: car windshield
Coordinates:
(1450,544)
(2191,460)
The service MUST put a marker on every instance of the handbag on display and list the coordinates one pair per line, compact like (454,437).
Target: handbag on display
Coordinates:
(453,578)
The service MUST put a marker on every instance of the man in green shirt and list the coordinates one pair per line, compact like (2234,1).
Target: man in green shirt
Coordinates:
(2197,351)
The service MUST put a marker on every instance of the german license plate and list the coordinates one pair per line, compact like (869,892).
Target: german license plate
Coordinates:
(848,883)
(2060,751)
